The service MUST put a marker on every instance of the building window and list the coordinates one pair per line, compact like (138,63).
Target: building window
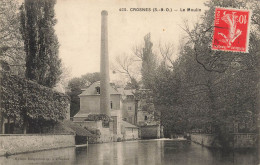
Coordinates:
(111,104)
(130,119)
(145,117)
(129,108)
(98,90)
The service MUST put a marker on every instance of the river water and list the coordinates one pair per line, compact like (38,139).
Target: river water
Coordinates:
(142,152)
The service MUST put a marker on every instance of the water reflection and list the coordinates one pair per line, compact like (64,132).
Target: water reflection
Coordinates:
(148,152)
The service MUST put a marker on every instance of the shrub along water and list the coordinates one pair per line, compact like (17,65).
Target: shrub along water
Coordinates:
(29,104)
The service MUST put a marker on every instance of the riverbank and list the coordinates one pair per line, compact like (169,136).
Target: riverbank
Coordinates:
(238,140)
(23,143)
(12,144)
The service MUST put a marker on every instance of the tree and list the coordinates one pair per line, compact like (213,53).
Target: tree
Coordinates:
(128,66)
(133,84)
(148,63)
(65,77)
(75,87)
(229,73)
(142,62)
(202,89)
(12,55)
(25,102)
(180,93)
(40,42)
(167,52)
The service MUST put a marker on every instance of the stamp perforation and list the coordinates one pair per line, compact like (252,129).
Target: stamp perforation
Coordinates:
(237,22)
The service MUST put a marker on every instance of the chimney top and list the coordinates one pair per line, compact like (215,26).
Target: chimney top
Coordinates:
(104,12)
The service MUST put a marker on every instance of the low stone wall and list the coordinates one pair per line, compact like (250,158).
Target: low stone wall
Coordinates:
(130,134)
(204,139)
(245,140)
(20,143)
(106,135)
(241,140)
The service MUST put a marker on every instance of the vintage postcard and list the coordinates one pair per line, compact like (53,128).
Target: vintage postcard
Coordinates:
(125,82)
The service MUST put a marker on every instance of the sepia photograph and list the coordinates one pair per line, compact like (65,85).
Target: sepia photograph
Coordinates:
(128,82)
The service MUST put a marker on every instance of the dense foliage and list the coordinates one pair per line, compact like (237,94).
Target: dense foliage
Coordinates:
(148,63)
(40,42)
(27,101)
(12,55)
(97,117)
(211,91)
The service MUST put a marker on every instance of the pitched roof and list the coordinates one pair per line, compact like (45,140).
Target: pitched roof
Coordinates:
(81,114)
(91,90)
(78,129)
(129,92)
(128,125)
(125,92)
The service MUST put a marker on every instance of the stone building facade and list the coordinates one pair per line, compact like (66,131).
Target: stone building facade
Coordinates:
(90,104)
(130,131)
(129,106)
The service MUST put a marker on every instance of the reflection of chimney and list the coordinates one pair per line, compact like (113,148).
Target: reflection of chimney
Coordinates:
(104,68)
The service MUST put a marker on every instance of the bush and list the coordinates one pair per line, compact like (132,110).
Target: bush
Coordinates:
(97,117)
(24,99)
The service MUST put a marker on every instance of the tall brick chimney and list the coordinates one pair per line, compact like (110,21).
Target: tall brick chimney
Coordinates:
(104,67)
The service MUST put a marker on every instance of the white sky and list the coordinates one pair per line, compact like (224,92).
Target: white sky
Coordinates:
(79,22)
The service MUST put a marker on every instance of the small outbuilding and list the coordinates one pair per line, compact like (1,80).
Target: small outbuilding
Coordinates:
(129,131)
(82,136)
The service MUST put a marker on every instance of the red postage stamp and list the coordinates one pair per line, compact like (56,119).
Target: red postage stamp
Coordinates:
(231,30)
